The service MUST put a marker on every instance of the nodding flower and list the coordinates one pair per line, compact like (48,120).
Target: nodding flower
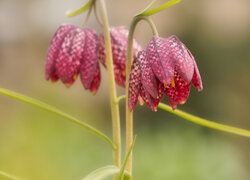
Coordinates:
(74,51)
(166,66)
(119,40)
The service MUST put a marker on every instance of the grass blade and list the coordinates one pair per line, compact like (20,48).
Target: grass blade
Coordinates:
(56,111)
(160,8)
(126,160)
(204,122)
(102,173)
(80,10)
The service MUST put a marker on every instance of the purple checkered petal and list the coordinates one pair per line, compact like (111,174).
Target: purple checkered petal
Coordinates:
(178,91)
(149,81)
(120,74)
(149,100)
(196,80)
(134,84)
(161,61)
(119,39)
(54,48)
(70,55)
(184,63)
(96,80)
(89,59)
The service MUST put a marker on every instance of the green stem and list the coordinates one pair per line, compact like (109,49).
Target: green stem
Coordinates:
(129,114)
(97,15)
(113,94)
(88,14)
(54,110)
(204,122)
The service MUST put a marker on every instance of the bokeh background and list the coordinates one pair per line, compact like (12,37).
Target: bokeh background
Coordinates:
(38,145)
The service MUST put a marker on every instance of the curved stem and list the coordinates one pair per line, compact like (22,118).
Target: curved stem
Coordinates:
(129,114)
(97,15)
(54,110)
(113,94)
(87,16)
(204,122)
(149,21)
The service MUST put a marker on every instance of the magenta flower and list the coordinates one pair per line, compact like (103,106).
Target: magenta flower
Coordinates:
(166,66)
(119,39)
(72,51)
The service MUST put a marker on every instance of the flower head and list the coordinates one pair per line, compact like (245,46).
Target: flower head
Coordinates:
(72,51)
(119,39)
(166,66)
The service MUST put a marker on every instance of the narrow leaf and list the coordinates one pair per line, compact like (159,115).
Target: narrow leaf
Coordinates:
(54,110)
(9,176)
(147,8)
(102,173)
(206,123)
(126,160)
(80,10)
(160,8)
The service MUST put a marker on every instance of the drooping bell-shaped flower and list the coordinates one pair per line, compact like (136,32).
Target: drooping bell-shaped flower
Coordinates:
(119,40)
(72,51)
(166,66)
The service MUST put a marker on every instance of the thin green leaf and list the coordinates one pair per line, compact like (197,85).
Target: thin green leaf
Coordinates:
(204,122)
(126,160)
(54,110)
(160,8)
(102,173)
(9,176)
(80,10)
(147,8)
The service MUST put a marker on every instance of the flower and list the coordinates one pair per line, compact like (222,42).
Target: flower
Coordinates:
(119,40)
(74,51)
(166,66)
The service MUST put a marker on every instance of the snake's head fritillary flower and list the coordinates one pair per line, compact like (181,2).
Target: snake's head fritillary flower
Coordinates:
(72,51)
(119,40)
(166,66)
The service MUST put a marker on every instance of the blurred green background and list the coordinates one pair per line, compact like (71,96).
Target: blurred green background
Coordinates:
(38,145)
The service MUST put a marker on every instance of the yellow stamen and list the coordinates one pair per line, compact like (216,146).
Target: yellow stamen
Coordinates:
(123,73)
(75,76)
(182,102)
(172,82)
(140,100)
